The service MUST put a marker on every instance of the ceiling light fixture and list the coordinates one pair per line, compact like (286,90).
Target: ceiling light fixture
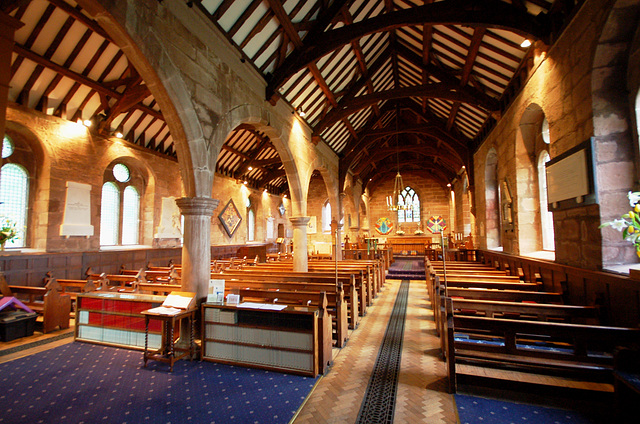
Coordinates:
(394,203)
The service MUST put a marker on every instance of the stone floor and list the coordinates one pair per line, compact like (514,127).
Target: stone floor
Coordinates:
(421,396)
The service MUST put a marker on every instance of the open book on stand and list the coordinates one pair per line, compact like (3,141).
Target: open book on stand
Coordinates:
(175,303)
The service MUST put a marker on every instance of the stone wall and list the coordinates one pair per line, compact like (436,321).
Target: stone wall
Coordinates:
(434,198)
(264,205)
(561,86)
(66,151)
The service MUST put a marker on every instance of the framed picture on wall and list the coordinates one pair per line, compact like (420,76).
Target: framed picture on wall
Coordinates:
(230,218)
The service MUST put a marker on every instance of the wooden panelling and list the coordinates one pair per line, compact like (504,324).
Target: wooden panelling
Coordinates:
(30,268)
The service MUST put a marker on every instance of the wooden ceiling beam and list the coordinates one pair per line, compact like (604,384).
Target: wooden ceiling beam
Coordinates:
(439,90)
(77,14)
(472,54)
(79,78)
(488,14)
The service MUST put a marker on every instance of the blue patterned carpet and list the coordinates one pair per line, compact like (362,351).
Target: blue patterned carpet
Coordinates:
(84,383)
(474,410)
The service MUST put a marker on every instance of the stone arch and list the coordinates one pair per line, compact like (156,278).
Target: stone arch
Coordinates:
(146,51)
(260,119)
(40,166)
(617,170)
(331,182)
(492,199)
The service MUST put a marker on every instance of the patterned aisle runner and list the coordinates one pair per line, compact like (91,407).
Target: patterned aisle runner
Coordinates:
(380,399)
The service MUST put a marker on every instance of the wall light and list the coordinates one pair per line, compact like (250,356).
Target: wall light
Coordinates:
(301,112)
(526,43)
(87,123)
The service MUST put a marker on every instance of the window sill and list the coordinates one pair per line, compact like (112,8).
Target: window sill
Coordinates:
(547,255)
(125,247)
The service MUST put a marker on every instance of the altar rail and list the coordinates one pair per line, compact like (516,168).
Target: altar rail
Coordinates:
(617,295)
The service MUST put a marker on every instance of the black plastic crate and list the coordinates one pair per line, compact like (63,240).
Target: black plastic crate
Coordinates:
(15,324)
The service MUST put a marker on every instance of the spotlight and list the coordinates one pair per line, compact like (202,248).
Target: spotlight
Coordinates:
(87,123)
(301,112)
(526,43)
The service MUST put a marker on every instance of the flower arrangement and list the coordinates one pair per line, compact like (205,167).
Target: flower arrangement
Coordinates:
(8,231)
(629,223)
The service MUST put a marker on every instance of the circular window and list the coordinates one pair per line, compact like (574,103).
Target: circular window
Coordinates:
(121,173)
(7,147)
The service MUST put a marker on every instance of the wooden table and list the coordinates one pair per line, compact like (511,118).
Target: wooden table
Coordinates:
(167,352)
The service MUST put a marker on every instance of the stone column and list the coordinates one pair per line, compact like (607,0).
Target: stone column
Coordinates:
(300,254)
(196,248)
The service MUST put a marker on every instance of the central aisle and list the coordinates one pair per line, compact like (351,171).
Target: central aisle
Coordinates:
(421,396)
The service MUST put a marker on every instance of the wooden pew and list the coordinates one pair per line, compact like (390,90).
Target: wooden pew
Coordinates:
(48,301)
(505,295)
(366,271)
(363,284)
(72,287)
(539,347)
(338,307)
(438,291)
(531,311)
(118,282)
(356,304)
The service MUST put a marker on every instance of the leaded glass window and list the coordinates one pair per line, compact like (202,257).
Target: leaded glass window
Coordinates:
(14,197)
(408,197)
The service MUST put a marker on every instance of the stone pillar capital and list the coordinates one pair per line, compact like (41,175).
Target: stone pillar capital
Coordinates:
(197,205)
(300,221)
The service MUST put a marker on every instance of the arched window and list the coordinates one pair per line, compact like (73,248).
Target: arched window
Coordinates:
(130,220)
(109,214)
(326,217)
(410,198)
(548,242)
(251,225)
(120,210)
(14,197)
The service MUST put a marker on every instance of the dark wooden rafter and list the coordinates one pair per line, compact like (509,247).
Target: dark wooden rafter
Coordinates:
(439,90)
(380,154)
(487,13)
(28,44)
(476,41)
(79,78)
(375,177)
(250,159)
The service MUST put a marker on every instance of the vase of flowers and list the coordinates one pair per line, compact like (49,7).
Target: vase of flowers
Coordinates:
(8,231)
(629,223)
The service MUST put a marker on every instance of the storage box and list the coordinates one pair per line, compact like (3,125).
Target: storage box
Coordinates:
(15,324)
